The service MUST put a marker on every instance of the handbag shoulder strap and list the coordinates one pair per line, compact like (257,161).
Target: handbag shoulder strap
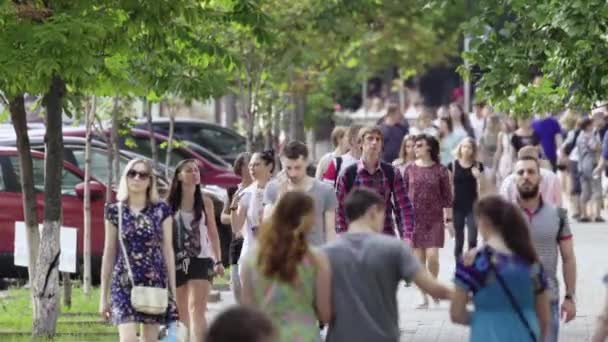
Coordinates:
(122,245)
(514,303)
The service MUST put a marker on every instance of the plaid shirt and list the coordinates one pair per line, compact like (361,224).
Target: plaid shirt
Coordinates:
(402,208)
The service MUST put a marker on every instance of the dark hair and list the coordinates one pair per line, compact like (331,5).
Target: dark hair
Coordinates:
(241,323)
(448,121)
(268,157)
(282,241)
(464,120)
(586,122)
(433,145)
(175,192)
(295,149)
(359,200)
(241,161)
(509,223)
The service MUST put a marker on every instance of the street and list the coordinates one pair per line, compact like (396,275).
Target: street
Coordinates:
(434,325)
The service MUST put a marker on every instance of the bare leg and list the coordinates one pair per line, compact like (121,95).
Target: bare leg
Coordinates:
(432,257)
(421,255)
(127,332)
(182,304)
(197,307)
(150,333)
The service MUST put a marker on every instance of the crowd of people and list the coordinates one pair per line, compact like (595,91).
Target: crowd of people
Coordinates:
(327,253)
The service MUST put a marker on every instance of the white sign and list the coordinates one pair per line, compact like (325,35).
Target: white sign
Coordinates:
(68,238)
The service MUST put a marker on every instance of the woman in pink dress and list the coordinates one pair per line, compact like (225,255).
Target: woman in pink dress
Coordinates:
(427,184)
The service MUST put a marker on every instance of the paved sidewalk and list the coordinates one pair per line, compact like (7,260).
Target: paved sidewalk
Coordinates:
(434,325)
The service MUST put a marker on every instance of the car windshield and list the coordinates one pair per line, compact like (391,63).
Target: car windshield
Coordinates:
(219,141)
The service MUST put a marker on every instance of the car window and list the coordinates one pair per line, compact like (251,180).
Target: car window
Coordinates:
(99,162)
(2,180)
(69,180)
(218,141)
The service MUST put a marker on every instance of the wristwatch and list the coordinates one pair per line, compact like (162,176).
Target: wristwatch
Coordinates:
(217,263)
(569,297)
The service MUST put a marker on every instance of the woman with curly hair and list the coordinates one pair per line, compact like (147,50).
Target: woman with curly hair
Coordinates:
(286,278)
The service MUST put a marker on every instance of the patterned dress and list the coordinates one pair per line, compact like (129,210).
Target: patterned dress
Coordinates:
(143,237)
(291,308)
(430,192)
(494,318)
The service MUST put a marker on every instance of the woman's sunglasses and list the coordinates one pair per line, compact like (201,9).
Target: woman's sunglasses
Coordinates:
(142,174)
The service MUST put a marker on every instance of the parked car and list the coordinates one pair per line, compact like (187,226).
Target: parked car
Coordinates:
(72,193)
(222,141)
(211,174)
(74,153)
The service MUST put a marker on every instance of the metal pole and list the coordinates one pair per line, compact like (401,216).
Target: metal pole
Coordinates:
(467,81)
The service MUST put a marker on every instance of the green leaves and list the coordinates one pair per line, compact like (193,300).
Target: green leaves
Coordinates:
(562,40)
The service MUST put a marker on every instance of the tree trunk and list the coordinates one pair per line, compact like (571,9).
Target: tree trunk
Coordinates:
(115,141)
(109,144)
(151,130)
(86,281)
(230,109)
(46,284)
(30,207)
(296,128)
(172,111)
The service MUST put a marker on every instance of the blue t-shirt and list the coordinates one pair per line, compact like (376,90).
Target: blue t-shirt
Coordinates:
(546,129)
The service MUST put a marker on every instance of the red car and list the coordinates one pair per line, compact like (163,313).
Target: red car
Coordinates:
(211,174)
(72,190)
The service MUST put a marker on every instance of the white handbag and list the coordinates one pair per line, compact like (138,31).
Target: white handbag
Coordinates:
(145,299)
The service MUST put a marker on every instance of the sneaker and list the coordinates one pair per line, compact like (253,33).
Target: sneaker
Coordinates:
(600,219)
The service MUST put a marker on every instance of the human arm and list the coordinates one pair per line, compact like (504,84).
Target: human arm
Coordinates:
(107,264)
(213,234)
(498,153)
(405,209)
(446,187)
(322,166)
(543,312)
(168,253)
(458,307)
(566,248)
(601,329)
(426,282)
(329,212)
(603,157)
(225,215)
(341,226)
(323,305)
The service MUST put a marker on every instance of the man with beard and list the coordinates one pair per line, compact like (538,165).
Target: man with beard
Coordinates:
(295,161)
(551,236)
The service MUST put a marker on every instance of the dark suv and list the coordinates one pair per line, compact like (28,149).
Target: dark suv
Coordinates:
(222,141)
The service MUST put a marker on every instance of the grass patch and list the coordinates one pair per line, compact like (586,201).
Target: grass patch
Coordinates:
(80,322)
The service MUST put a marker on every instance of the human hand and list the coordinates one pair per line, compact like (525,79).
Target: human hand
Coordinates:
(468,258)
(568,310)
(219,269)
(475,171)
(105,311)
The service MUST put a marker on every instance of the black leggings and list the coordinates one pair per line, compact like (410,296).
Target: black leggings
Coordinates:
(460,218)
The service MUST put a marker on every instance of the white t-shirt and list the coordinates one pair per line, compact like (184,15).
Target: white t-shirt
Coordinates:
(253,200)
(477,123)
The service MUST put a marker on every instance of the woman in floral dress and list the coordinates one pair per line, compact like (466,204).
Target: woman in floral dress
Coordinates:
(427,183)
(147,236)
(286,278)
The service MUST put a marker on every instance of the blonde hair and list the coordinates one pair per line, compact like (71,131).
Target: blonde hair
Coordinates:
(467,140)
(123,188)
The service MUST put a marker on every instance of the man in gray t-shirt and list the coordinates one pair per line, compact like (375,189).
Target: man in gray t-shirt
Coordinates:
(295,162)
(366,268)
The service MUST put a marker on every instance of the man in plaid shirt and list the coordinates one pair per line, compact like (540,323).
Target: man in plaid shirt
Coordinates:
(371,172)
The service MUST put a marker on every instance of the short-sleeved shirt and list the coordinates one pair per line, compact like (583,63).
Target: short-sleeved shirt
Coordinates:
(465,185)
(546,129)
(366,270)
(548,227)
(324,200)
(393,135)
(519,141)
